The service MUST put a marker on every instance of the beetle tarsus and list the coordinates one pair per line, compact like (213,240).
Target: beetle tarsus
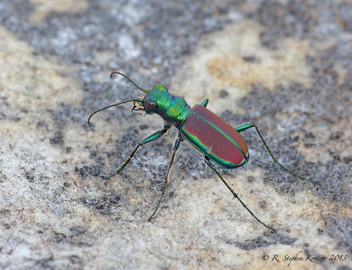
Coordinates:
(245,127)
(207,132)
(175,147)
(207,161)
(109,177)
(153,137)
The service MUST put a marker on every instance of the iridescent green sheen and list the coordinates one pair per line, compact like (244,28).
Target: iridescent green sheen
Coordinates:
(171,108)
(160,95)
(208,133)
(215,138)
(175,110)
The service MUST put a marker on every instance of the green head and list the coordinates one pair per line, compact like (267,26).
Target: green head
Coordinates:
(153,102)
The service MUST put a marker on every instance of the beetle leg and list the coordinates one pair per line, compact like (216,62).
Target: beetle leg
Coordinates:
(243,128)
(175,147)
(207,161)
(150,138)
(204,103)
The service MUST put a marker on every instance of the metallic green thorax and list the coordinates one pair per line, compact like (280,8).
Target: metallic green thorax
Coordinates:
(171,108)
(212,136)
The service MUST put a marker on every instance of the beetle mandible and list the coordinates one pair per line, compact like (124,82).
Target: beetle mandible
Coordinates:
(212,136)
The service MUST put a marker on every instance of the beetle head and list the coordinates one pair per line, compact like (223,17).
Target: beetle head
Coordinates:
(155,100)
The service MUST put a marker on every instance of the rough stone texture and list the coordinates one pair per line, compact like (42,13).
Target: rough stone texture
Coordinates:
(284,65)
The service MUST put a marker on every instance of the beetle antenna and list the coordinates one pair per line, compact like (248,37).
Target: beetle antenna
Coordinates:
(130,100)
(116,72)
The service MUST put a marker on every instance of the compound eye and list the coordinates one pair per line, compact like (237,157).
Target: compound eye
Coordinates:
(150,104)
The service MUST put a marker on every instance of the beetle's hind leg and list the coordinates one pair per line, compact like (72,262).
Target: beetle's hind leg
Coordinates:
(243,128)
(150,138)
(175,147)
(207,161)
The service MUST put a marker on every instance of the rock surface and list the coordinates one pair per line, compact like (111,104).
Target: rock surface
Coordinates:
(284,65)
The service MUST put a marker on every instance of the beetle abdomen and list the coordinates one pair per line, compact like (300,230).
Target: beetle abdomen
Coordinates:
(215,138)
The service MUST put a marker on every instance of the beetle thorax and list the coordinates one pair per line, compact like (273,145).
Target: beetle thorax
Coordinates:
(172,109)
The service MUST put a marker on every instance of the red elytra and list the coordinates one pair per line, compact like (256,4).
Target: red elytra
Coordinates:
(215,138)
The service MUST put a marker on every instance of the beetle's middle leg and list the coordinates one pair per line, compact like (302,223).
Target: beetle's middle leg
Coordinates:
(207,161)
(150,138)
(175,147)
(204,103)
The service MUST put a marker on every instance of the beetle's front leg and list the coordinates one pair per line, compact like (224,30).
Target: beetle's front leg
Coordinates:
(150,138)
(175,147)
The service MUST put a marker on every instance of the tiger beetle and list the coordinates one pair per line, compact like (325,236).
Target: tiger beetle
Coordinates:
(219,142)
